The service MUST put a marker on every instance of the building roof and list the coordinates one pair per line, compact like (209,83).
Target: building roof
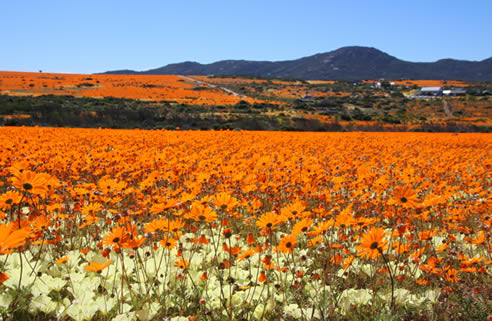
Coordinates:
(459,90)
(430,89)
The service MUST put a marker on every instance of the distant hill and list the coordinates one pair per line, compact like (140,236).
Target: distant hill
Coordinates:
(349,63)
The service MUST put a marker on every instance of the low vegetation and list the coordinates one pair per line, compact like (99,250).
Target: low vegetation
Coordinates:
(225,102)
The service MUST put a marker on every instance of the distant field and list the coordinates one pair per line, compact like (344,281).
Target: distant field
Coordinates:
(172,87)
(226,102)
(143,87)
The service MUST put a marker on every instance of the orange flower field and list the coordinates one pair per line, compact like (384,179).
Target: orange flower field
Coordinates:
(100,224)
(143,87)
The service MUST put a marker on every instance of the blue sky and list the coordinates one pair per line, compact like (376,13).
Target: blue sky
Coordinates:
(95,36)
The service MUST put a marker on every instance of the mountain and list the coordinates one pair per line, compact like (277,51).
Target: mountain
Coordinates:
(345,63)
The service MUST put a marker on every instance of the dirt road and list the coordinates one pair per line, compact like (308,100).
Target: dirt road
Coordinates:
(227,90)
(447,108)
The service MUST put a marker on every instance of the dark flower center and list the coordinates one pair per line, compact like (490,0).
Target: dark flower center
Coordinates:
(202,218)
(27,186)
(374,245)
(304,229)
(288,245)
(269,225)
(116,240)
(403,199)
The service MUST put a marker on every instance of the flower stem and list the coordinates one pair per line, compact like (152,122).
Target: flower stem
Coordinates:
(391,278)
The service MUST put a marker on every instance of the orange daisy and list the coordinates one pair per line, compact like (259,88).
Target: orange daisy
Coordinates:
(10,198)
(28,181)
(262,278)
(246,254)
(182,264)
(116,237)
(133,243)
(97,267)
(302,226)
(169,243)
(202,213)
(373,243)
(3,277)
(404,196)
(287,244)
(225,201)
(11,237)
(269,220)
(62,260)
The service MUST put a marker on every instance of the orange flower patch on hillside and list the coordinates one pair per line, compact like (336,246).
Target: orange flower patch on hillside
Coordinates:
(143,87)
(300,91)
(321,82)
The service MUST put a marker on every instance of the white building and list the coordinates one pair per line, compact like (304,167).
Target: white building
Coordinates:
(430,91)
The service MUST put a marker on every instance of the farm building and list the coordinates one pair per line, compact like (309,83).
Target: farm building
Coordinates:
(454,92)
(430,91)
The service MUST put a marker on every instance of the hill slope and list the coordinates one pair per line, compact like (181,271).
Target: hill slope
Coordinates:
(343,63)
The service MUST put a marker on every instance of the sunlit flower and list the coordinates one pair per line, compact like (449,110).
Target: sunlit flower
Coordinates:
(302,226)
(481,238)
(62,260)
(269,221)
(91,209)
(347,262)
(116,237)
(168,242)
(246,254)
(287,244)
(262,278)
(96,266)
(10,198)
(3,277)
(12,237)
(372,243)
(404,196)
(202,213)
(28,181)
(133,243)
(225,201)
(250,239)
(40,223)
(182,264)
(451,275)
(234,250)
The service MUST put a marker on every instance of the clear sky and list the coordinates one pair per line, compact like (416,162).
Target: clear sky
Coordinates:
(92,36)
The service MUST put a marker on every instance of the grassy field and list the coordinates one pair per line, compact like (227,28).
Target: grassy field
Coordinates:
(100,224)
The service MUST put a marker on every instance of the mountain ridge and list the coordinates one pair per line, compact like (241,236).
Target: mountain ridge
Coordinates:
(346,63)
